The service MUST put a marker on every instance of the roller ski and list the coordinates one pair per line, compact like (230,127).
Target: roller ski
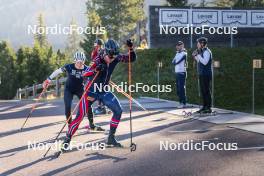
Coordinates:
(65,146)
(94,128)
(183,106)
(215,113)
(187,114)
(204,113)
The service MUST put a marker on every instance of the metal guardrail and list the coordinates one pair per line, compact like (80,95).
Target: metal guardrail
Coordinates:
(55,89)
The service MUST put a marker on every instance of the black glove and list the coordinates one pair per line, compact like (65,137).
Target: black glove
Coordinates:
(195,53)
(99,67)
(199,51)
(129,43)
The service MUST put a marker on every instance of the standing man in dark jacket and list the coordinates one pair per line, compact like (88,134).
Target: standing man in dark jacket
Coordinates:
(203,56)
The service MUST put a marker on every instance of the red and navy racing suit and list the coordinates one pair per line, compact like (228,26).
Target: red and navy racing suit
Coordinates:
(94,57)
(108,98)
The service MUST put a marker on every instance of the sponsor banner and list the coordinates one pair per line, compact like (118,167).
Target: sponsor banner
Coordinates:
(211,17)
(174,17)
(234,17)
(257,18)
(204,17)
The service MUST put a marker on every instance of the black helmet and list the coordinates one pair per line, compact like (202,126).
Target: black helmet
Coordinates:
(179,43)
(202,40)
(99,42)
(111,47)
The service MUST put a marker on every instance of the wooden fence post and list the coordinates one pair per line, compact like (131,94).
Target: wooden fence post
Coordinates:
(34,90)
(26,92)
(57,87)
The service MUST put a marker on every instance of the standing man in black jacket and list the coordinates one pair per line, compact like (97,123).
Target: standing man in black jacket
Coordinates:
(203,56)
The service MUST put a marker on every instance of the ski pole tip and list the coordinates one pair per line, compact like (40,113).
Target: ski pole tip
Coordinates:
(133,147)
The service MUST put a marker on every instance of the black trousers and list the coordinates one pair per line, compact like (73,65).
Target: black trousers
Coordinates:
(68,96)
(205,84)
(181,88)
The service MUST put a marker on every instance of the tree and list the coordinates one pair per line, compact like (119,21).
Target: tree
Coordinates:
(34,64)
(224,3)
(249,3)
(239,3)
(119,17)
(94,21)
(21,66)
(61,59)
(40,36)
(177,3)
(73,41)
(7,71)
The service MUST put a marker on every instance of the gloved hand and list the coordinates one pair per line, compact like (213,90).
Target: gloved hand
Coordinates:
(46,83)
(195,53)
(99,67)
(129,43)
(199,51)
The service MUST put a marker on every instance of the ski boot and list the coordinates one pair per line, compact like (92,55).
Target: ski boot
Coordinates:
(207,111)
(66,144)
(200,110)
(111,141)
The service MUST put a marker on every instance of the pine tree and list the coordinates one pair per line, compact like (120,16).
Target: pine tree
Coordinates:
(249,3)
(7,71)
(21,66)
(177,3)
(119,17)
(61,59)
(94,21)
(40,36)
(73,41)
(239,3)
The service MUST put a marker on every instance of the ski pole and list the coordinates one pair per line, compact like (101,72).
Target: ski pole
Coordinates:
(127,95)
(33,108)
(198,84)
(75,108)
(133,146)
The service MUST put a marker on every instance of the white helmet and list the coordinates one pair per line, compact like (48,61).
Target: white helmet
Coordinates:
(79,56)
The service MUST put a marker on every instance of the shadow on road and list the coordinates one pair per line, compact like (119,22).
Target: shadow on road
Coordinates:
(42,111)
(7,133)
(119,137)
(94,156)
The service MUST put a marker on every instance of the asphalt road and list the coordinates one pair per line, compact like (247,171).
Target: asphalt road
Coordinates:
(150,130)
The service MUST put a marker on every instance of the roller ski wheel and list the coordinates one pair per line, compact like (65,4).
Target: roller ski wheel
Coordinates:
(96,128)
(64,147)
